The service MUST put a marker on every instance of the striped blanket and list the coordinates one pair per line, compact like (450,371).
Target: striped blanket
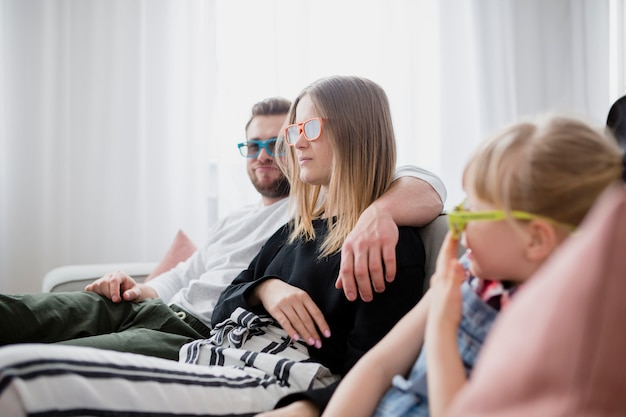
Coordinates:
(258,343)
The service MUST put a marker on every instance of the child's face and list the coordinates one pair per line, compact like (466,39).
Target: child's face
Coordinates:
(495,248)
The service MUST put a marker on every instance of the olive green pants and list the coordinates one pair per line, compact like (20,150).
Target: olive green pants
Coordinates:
(88,319)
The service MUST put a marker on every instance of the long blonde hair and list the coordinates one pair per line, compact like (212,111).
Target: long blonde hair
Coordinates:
(554,167)
(357,123)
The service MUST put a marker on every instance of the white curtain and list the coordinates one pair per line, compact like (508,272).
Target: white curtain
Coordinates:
(106,113)
(454,70)
(119,118)
(508,59)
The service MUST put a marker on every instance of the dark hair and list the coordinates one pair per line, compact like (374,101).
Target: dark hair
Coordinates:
(270,107)
(616,121)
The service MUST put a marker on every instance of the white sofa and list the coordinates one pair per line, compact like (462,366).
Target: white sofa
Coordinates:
(76,277)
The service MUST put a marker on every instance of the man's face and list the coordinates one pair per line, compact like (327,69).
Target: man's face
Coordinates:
(264,174)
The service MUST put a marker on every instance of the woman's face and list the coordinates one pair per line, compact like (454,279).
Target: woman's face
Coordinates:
(313,157)
(495,248)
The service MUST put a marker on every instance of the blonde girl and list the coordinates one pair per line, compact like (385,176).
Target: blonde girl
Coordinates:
(527,187)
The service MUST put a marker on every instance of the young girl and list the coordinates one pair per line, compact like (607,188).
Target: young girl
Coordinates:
(527,190)
(281,327)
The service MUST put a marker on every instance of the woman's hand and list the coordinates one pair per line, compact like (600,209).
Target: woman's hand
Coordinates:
(294,309)
(118,286)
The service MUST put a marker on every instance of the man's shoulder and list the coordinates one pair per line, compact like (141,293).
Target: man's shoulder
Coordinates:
(257,214)
(258,208)
(253,222)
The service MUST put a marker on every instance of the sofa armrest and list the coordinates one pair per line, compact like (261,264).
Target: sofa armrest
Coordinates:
(433,235)
(76,277)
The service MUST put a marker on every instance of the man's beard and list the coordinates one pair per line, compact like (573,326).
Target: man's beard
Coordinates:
(278,188)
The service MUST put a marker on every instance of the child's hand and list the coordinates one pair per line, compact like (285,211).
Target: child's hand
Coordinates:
(445,295)
(446,374)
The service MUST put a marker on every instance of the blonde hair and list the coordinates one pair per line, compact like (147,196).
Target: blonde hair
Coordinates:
(554,167)
(357,123)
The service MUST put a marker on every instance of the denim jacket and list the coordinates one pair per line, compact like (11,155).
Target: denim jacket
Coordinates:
(409,396)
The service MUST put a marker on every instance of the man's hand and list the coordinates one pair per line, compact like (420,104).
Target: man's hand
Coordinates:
(294,309)
(302,408)
(119,285)
(368,255)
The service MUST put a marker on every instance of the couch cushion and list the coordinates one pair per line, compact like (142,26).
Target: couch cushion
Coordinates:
(558,349)
(181,248)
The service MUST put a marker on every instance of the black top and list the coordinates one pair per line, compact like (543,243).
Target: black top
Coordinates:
(355,326)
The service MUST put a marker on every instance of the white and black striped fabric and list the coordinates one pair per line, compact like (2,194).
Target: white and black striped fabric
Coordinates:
(248,340)
(258,365)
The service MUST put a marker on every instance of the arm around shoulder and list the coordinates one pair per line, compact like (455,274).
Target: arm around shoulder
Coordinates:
(415,197)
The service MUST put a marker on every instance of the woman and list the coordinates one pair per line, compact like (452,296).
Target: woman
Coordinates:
(282,329)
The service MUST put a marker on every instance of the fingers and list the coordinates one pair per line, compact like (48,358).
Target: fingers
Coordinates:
(318,318)
(113,285)
(451,276)
(389,258)
(307,320)
(101,286)
(456,272)
(366,267)
(295,311)
(365,278)
(366,273)
(370,270)
(346,274)
(444,312)
(449,250)
(368,256)
(302,321)
(358,273)
(132,294)
(449,270)
(285,323)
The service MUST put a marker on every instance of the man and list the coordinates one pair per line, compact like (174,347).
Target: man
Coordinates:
(158,317)
(196,284)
